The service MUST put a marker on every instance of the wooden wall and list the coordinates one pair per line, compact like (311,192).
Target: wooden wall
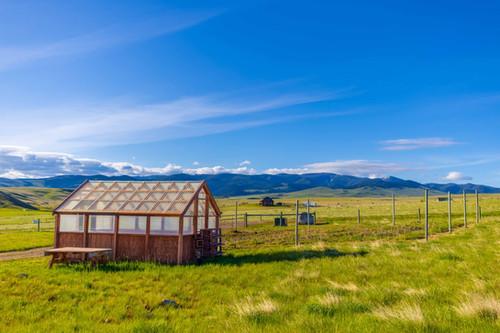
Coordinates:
(70,239)
(100,240)
(133,247)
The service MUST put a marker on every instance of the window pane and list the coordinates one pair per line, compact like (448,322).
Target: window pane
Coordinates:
(211,222)
(188,225)
(71,223)
(164,225)
(132,224)
(101,223)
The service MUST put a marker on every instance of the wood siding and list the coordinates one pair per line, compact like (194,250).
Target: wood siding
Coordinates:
(132,247)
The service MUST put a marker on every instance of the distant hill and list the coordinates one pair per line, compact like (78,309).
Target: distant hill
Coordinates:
(325,192)
(31,197)
(237,185)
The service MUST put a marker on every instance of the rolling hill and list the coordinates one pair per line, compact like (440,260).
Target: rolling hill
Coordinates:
(31,197)
(237,184)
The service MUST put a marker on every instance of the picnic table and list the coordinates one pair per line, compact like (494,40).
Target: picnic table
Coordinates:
(79,254)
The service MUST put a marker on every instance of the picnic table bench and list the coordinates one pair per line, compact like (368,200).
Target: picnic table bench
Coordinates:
(78,254)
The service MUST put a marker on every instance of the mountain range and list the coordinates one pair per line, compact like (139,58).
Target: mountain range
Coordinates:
(225,185)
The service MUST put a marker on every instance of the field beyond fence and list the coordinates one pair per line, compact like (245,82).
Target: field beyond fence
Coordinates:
(247,224)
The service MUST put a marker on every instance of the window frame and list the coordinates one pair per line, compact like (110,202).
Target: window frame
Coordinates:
(107,231)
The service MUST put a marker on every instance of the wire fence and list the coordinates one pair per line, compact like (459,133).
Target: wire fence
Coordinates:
(26,223)
(330,220)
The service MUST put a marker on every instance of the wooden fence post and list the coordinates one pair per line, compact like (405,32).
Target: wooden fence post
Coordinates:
(418,215)
(359,216)
(236,217)
(426,215)
(449,212)
(393,209)
(308,218)
(281,219)
(246,220)
(296,222)
(477,207)
(465,210)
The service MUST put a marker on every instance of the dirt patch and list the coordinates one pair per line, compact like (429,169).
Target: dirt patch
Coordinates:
(33,253)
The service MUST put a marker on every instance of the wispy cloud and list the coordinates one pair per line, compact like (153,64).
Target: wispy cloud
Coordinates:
(417,143)
(23,162)
(65,127)
(111,36)
(360,168)
(455,176)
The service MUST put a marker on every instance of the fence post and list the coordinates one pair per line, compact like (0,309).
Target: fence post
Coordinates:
(465,210)
(281,219)
(236,217)
(296,222)
(359,216)
(246,220)
(418,215)
(426,215)
(393,209)
(477,207)
(449,212)
(308,217)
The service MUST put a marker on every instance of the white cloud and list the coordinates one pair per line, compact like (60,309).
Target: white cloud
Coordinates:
(361,168)
(111,36)
(67,127)
(418,143)
(245,162)
(196,163)
(455,176)
(21,162)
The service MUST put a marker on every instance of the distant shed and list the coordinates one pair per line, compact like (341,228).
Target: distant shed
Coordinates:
(267,201)
(440,199)
(170,222)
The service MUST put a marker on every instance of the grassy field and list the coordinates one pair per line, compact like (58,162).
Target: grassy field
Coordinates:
(337,221)
(450,283)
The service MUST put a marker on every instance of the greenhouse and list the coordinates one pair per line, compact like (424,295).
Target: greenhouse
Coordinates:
(169,222)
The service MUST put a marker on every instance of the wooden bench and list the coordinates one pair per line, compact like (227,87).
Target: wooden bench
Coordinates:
(78,254)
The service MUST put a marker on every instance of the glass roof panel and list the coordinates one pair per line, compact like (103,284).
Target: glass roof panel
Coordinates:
(116,196)
(116,187)
(131,205)
(99,205)
(94,195)
(156,195)
(177,207)
(146,205)
(201,207)
(70,204)
(163,206)
(114,205)
(173,187)
(84,205)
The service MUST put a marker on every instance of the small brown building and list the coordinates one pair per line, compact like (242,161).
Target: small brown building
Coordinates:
(267,201)
(169,222)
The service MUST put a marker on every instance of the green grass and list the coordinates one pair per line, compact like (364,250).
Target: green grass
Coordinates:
(24,240)
(448,284)
(345,277)
(31,197)
(17,232)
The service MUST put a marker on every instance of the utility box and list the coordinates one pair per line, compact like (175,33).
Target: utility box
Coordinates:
(280,222)
(303,219)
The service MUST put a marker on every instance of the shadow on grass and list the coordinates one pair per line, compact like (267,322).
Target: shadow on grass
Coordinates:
(112,266)
(256,258)
(228,259)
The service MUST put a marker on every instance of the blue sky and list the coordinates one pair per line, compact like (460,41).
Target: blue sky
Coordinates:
(361,87)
